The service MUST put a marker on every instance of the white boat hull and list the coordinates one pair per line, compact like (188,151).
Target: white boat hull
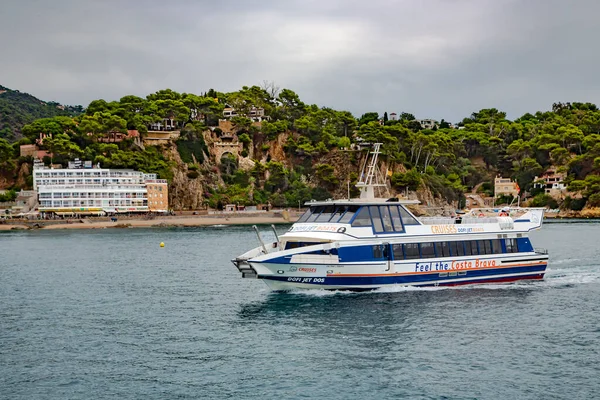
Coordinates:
(369,276)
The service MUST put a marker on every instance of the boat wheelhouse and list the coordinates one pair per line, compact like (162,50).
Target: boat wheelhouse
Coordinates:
(368,243)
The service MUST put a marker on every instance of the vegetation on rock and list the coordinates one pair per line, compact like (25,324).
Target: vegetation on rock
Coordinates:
(293,144)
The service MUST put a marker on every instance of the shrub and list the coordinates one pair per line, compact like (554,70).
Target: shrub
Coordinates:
(544,200)
(193,174)
(594,200)
(410,179)
(504,199)
(574,204)
(244,138)
(326,173)
(10,195)
(190,149)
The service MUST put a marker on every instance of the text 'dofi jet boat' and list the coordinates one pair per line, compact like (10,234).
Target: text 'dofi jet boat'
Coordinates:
(369,243)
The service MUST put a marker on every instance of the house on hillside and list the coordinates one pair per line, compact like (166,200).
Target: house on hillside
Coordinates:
(506,187)
(166,124)
(552,182)
(256,114)
(428,123)
(32,150)
(117,137)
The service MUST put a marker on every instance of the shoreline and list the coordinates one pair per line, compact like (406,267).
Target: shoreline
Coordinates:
(158,222)
(188,222)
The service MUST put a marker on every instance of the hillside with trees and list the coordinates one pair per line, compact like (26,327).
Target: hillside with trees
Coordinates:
(296,152)
(18,109)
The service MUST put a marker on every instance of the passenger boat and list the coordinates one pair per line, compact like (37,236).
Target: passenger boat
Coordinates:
(369,243)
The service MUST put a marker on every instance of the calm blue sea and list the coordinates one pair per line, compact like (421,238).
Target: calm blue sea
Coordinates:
(108,314)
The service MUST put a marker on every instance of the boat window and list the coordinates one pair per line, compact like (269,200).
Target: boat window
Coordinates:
(377,225)
(427,250)
(487,247)
(411,250)
(511,245)
(453,249)
(496,246)
(295,245)
(468,251)
(292,245)
(407,219)
(350,211)
(442,249)
(460,247)
(396,219)
(386,218)
(471,248)
(379,251)
(326,214)
(305,216)
(397,250)
(362,218)
(316,211)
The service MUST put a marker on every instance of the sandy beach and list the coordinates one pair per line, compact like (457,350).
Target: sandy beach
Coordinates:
(181,221)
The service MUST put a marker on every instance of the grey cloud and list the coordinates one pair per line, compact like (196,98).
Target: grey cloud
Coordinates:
(434,58)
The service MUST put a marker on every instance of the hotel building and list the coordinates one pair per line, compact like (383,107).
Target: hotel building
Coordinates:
(81,189)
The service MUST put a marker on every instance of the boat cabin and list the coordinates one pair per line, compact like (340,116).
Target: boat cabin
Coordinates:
(382,217)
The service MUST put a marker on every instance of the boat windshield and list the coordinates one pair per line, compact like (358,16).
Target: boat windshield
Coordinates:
(326,214)
(407,218)
(384,218)
(305,216)
(331,213)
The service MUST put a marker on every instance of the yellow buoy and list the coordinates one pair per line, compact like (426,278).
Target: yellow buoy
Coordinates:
(162,244)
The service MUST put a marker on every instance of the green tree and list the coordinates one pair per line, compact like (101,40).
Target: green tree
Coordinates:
(60,146)
(368,118)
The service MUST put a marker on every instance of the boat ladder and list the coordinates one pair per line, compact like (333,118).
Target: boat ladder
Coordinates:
(244,267)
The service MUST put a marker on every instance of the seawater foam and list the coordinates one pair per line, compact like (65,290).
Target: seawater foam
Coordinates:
(555,278)
(572,276)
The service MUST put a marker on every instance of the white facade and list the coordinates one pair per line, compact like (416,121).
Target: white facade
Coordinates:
(256,114)
(90,190)
(428,123)
(504,186)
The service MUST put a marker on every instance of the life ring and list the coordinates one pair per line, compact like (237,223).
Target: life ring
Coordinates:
(481,215)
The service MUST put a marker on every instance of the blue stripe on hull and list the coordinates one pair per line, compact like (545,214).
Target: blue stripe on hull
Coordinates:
(472,276)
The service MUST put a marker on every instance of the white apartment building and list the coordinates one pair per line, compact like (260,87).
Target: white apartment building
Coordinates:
(91,190)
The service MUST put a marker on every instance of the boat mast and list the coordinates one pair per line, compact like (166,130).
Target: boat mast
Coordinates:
(370,176)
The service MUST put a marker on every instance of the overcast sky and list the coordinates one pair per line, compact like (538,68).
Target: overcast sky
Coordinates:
(434,58)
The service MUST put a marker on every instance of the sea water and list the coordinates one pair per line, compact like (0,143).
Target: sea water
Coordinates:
(95,314)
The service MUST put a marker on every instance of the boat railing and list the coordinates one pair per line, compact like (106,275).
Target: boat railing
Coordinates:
(457,220)
(437,220)
(539,250)
(479,220)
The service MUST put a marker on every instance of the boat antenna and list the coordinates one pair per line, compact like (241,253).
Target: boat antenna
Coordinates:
(370,176)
